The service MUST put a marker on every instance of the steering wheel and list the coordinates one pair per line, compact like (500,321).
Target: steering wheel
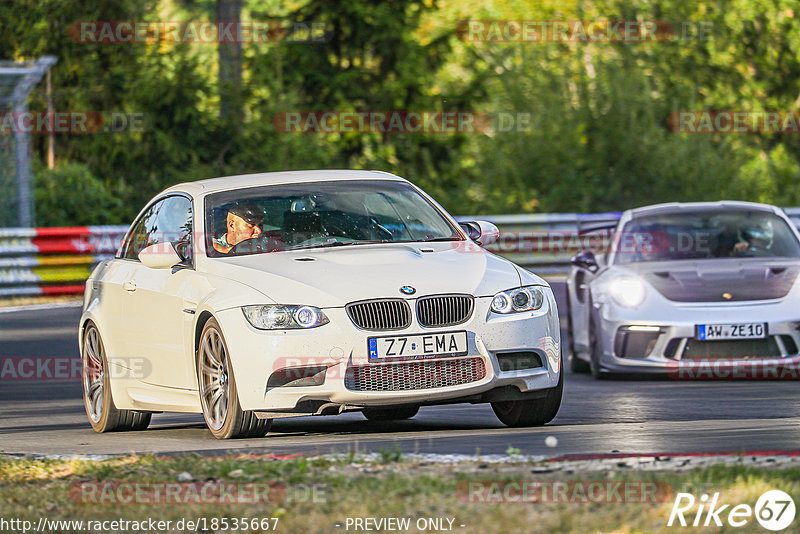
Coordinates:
(256,245)
(386,235)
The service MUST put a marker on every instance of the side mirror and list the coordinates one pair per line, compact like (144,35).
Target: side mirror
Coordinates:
(159,256)
(482,232)
(585,259)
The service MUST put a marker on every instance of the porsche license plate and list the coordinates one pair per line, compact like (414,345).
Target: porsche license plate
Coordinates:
(418,346)
(710,332)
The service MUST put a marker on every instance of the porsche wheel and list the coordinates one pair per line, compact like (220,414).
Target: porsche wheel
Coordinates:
(595,352)
(390,414)
(103,415)
(576,365)
(534,412)
(218,397)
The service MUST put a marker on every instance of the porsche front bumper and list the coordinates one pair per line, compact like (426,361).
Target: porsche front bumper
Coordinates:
(665,340)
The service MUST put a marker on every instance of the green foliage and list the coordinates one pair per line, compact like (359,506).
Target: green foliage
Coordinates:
(71,195)
(598,137)
(388,456)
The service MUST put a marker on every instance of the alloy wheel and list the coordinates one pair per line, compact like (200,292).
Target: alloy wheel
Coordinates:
(93,374)
(214,380)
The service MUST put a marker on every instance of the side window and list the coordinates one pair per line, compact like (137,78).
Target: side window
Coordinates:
(137,239)
(167,221)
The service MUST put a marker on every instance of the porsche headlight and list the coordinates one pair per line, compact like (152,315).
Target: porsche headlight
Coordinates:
(628,292)
(281,317)
(517,300)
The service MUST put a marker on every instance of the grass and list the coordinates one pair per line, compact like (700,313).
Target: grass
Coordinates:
(316,494)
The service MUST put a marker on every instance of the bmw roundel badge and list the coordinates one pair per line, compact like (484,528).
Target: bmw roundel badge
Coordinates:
(407,290)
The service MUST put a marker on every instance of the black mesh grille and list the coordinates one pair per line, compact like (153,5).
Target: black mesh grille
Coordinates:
(731,349)
(672,347)
(445,310)
(414,375)
(634,344)
(386,314)
(517,361)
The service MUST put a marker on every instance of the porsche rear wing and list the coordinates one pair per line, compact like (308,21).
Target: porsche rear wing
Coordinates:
(599,222)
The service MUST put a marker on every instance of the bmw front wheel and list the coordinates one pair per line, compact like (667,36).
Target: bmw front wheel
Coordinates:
(218,397)
(533,412)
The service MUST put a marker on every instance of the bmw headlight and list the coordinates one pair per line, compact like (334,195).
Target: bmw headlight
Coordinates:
(281,317)
(517,300)
(628,292)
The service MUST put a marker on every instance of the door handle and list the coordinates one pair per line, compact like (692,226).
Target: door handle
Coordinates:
(129,286)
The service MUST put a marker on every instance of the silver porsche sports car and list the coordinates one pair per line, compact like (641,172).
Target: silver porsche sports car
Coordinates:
(696,290)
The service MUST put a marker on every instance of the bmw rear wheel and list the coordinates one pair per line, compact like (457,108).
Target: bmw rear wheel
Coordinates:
(218,396)
(103,414)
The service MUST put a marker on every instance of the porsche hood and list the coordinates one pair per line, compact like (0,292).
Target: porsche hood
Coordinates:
(723,280)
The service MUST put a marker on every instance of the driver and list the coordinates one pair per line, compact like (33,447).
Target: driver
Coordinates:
(244,221)
(754,239)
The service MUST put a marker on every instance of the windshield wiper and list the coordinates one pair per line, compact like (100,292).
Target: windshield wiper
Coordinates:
(434,239)
(337,244)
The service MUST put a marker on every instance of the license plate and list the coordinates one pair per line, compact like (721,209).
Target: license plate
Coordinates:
(709,332)
(418,346)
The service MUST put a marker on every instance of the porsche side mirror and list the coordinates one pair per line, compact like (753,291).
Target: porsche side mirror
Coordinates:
(585,259)
(482,232)
(159,256)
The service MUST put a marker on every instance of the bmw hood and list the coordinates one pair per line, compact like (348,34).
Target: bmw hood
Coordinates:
(333,277)
(723,280)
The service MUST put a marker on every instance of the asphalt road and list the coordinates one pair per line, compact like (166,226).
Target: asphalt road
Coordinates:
(597,417)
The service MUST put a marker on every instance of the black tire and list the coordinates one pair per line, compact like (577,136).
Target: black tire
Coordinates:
(595,350)
(390,414)
(234,422)
(97,399)
(576,365)
(534,412)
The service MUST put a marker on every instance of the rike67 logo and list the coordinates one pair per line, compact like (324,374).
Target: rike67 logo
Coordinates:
(774,510)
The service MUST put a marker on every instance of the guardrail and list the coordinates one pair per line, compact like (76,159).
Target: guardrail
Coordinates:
(53,261)
(57,261)
(545,242)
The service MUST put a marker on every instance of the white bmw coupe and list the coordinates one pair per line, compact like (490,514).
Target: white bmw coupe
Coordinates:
(255,297)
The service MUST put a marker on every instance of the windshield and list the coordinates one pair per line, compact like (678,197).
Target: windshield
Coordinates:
(320,214)
(708,234)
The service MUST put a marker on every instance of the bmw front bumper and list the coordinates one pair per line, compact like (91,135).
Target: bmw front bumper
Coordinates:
(339,348)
